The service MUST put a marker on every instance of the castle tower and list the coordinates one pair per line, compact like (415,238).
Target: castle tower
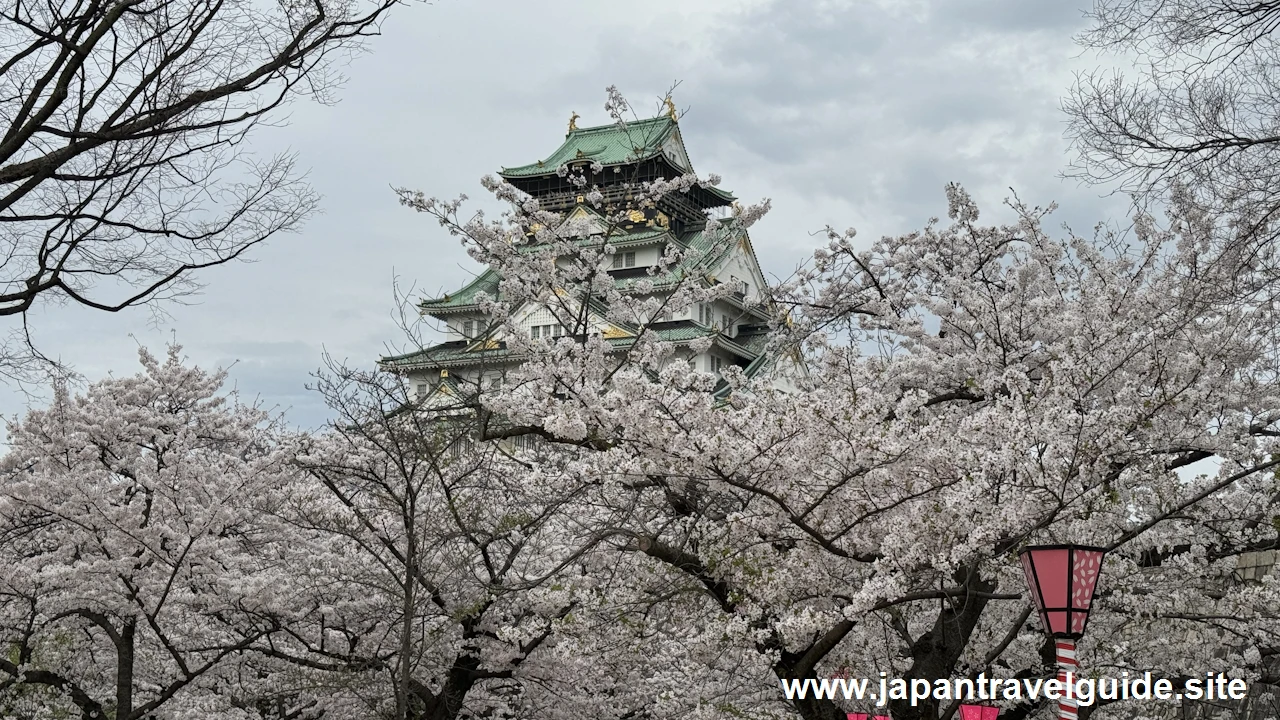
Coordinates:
(616,159)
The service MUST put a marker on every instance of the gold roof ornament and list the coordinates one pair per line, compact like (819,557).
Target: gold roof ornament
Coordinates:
(671,108)
(635,216)
(573,121)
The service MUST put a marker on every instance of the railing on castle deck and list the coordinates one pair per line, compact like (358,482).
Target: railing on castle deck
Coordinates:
(524,442)
(466,443)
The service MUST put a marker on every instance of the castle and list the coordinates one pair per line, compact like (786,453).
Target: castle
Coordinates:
(619,158)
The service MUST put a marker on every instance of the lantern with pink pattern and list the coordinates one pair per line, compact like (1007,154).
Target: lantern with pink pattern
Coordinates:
(979,712)
(1062,579)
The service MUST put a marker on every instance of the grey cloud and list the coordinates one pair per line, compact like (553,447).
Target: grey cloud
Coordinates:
(1059,18)
(850,114)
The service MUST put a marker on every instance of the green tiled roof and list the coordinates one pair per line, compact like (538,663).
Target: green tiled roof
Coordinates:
(619,238)
(753,343)
(448,353)
(679,331)
(725,195)
(605,144)
(638,237)
(486,282)
(698,243)
(753,368)
(456,353)
(701,243)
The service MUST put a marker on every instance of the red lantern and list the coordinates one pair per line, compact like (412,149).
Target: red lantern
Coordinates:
(1062,579)
(979,712)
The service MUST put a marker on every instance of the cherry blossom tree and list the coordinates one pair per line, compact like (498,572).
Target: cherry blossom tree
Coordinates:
(171,552)
(616,535)
(451,562)
(963,391)
(142,567)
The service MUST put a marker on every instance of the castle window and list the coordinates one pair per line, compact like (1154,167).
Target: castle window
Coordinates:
(469,329)
(706,314)
(624,260)
(715,363)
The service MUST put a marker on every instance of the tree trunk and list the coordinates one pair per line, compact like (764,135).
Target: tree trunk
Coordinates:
(936,652)
(124,670)
(406,624)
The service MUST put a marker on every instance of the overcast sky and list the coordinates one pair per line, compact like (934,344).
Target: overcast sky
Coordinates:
(854,114)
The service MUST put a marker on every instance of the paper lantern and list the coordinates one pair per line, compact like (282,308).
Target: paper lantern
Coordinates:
(979,712)
(1062,579)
